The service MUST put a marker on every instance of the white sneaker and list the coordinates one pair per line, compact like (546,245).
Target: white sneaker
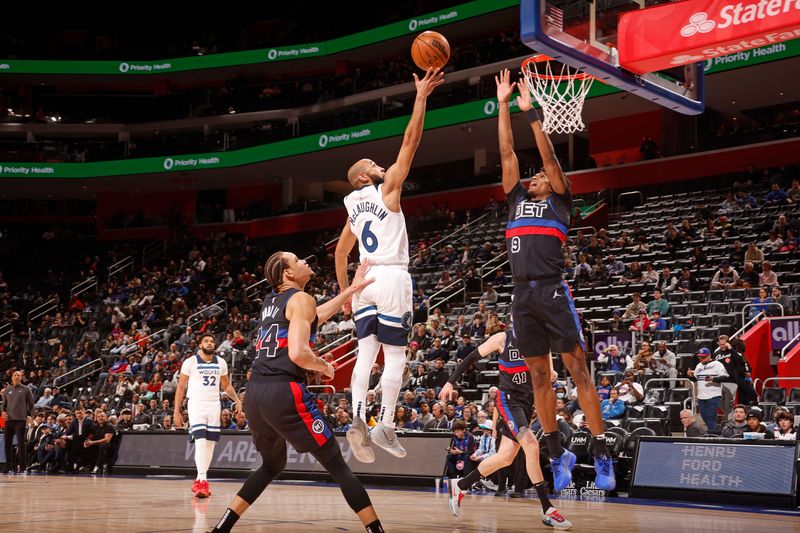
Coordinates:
(456,495)
(358,438)
(489,485)
(553,518)
(385,438)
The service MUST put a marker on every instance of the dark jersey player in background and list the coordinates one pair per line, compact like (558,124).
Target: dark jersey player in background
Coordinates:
(278,405)
(545,319)
(515,407)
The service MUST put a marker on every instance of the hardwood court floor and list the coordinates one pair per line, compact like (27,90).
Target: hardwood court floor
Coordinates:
(89,505)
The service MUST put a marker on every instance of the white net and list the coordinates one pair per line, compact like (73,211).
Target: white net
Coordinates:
(560,95)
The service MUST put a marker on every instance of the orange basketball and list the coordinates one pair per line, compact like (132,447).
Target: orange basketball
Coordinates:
(430,50)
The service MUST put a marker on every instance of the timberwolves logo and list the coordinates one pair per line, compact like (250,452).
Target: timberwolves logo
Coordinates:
(318,426)
(405,321)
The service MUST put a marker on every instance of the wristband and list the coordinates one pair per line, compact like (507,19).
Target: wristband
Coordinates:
(532,115)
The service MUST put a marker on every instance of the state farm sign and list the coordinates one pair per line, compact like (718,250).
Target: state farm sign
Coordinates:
(676,34)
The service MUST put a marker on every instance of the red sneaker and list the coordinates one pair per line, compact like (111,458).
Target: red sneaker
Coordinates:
(195,486)
(203,491)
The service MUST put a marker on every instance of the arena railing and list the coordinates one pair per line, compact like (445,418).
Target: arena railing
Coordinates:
(776,379)
(789,345)
(153,250)
(627,194)
(345,359)
(136,345)
(38,312)
(767,304)
(447,298)
(79,373)
(688,381)
(83,286)
(494,269)
(468,225)
(120,266)
(6,330)
(746,325)
(322,388)
(341,340)
(592,229)
(249,290)
(204,313)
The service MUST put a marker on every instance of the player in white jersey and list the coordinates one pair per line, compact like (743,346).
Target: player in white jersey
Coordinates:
(382,311)
(202,377)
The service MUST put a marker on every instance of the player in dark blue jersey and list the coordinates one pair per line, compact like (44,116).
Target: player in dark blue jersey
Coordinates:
(544,314)
(514,407)
(279,407)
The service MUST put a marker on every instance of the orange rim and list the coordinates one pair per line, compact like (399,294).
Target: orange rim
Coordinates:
(541,58)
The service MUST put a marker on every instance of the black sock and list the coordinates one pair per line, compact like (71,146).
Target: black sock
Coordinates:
(470,479)
(554,447)
(227,522)
(599,448)
(375,527)
(541,491)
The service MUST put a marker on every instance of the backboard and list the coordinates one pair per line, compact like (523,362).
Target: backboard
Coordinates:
(582,34)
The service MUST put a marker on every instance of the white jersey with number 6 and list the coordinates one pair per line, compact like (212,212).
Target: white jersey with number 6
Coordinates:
(204,377)
(381,233)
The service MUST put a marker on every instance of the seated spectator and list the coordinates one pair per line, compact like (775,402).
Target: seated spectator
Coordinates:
(343,421)
(779,298)
(614,360)
(466,348)
(658,303)
(793,194)
(749,276)
(617,324)
(629,391)
(725,277)
(346,325)
(493,325)
(641,324)
(736,257)
(754,254)
(462,446)
(614,267)
(644,363)
(737,425)
(419,379)
(698,258)
(687,281)
(604,388)
(437,377)
(612,408)
(632,311)
(650,276)
(773,243)
(477,329)
(412,422)
(755,424)
(776,196)
(667,281)
(761,304)
(784,426)
(657,323)
(746,200)
(437,352)
(729,205)
(632,274)
(486,442)
(665,360)
(421,337)
(490,296)
(425,415)
(686,230)
(99,443)
(791,242)
(692,427)
(768,277)
(439,420)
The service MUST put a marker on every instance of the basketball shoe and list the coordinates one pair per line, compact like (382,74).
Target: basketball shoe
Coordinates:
(456,495)
(359,440)
(552,518)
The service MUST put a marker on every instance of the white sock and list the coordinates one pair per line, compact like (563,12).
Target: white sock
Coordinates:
(359,382)
(394,362)
(200,461)
(209,453)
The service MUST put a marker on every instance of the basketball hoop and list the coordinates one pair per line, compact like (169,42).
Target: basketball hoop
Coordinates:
(561,96)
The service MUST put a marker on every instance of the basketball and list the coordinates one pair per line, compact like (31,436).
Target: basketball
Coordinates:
(430,50)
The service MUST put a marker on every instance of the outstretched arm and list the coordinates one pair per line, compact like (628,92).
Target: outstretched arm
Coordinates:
(331,307)
(508,159)
(558,180)
(343,247)
(301,312)
(398,172)
(495,343)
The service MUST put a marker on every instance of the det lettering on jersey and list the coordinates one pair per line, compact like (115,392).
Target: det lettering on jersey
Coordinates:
(530,209)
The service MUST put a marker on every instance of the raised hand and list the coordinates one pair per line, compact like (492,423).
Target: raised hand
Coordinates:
(432,79)
(359,280)
(504,85)
(524,99)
